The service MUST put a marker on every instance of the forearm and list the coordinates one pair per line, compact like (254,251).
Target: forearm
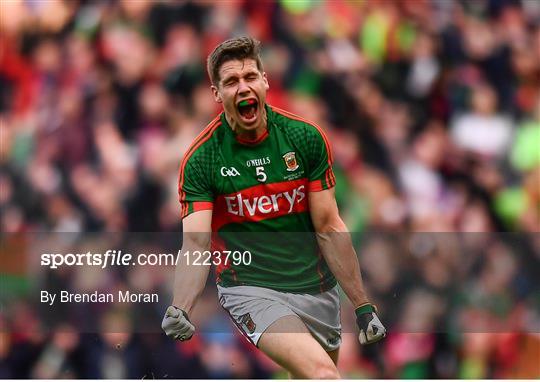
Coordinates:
(189,279)
(337,249)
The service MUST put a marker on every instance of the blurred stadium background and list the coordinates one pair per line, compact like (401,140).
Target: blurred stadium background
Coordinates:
(433,110)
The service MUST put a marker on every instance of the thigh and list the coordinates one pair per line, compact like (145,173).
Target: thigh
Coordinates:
(289,343)
(252,309)
(321,315)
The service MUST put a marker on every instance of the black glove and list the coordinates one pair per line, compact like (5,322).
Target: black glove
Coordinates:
(371,328)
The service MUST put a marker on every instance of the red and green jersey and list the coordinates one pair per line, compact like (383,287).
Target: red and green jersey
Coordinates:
(258,193)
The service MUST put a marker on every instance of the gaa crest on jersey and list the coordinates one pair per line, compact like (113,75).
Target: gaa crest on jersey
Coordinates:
(247,323)
(290,161)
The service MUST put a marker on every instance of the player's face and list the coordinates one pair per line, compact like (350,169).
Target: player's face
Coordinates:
(242,90)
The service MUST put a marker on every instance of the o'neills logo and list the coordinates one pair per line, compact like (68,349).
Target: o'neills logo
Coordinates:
(280,202)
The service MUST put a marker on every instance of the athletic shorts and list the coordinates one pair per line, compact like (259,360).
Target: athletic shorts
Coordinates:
(254,309)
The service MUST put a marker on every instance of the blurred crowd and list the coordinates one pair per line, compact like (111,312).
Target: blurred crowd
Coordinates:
(433,111)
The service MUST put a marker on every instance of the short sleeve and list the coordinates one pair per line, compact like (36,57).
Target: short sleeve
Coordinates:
(194,188)
(321,175)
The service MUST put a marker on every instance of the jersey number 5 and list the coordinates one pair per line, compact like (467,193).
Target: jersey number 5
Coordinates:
(261,175)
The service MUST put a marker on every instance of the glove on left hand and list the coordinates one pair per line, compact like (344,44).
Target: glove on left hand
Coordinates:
(371,328)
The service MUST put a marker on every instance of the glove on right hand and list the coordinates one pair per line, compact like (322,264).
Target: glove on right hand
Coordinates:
(176,324)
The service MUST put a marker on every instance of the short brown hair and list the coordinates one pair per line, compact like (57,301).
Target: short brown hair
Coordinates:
(239,48)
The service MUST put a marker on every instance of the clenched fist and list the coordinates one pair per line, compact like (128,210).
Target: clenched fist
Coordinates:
(176,324)
(371,328)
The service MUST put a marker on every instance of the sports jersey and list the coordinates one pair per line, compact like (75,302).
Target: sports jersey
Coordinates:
(258,194)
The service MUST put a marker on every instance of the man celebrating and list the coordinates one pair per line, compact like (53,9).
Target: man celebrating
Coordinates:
(260,172)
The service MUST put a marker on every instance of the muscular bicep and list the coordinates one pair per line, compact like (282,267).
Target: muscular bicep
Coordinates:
(197,228)
(324,212)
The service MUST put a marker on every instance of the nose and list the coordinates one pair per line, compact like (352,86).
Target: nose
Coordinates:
(242,86)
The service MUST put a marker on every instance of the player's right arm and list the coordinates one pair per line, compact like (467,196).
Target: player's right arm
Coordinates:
(189,278)
(196,200)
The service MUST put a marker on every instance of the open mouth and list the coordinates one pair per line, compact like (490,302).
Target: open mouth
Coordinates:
(248,109)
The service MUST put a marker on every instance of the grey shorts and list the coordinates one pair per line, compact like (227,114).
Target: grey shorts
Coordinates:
(254,309)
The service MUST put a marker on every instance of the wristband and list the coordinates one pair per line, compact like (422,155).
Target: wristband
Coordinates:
(365,308)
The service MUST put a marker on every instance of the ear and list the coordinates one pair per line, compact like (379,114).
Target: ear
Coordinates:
(265,79)
(215,92)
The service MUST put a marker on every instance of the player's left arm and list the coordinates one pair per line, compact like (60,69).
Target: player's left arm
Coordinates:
(333,237)
(336,246)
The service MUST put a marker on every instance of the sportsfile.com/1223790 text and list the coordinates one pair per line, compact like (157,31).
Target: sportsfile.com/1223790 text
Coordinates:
(113,257)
